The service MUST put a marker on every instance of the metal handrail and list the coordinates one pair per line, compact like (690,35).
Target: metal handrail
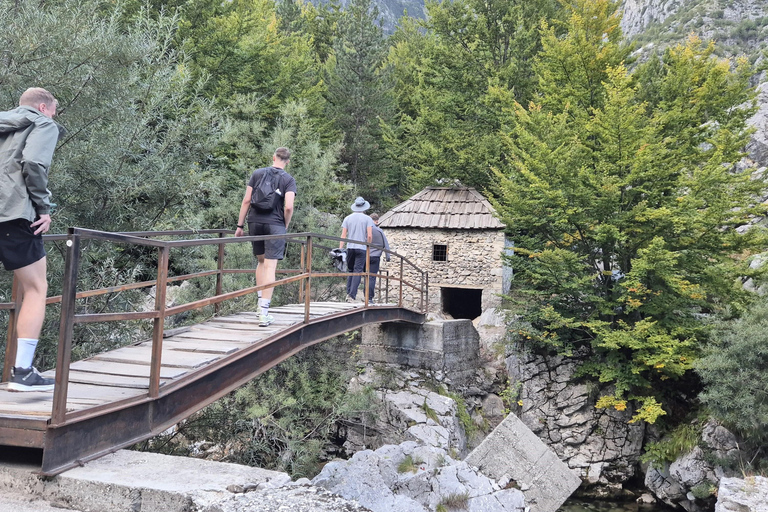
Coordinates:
(68,318)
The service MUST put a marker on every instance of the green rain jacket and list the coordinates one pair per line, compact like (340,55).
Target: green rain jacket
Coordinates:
(27,141)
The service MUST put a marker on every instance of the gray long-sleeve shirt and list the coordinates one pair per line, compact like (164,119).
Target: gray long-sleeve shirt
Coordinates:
(27,141)
(379,239)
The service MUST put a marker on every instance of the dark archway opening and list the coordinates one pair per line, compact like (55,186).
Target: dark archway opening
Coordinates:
(462,302)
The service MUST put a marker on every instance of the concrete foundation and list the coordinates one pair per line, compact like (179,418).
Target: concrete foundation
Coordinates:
(447,346)
(513,452)
(128,481)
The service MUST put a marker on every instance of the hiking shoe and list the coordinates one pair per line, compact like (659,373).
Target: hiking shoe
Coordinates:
(265,320)
(29,379)
(351,299)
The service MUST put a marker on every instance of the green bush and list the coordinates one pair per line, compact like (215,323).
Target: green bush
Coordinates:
(681,440)
(733,373)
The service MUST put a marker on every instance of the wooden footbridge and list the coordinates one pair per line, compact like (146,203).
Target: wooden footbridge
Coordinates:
(116,398)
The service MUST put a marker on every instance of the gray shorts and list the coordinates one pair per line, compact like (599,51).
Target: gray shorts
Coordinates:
(271,249)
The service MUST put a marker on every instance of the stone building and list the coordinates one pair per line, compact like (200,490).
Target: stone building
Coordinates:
(453,234)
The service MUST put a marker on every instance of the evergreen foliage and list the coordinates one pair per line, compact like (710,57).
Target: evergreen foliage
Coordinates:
(733,372)
(359,93)
(453,74)
(282,420)
(624,210)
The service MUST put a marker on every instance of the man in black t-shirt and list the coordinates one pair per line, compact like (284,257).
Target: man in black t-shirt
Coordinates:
(273,222)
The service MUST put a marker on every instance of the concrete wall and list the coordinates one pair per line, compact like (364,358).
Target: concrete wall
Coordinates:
(473,261)
(449,346)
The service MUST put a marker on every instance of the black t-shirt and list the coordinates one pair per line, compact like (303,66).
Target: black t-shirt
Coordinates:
(276,216)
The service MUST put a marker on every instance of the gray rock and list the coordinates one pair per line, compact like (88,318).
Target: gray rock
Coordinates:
(743,495)
(600,443)
(294,498)
(408,413)
(376,480)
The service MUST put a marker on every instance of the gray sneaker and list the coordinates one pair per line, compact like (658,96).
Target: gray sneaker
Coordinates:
(265,320)
(29,379)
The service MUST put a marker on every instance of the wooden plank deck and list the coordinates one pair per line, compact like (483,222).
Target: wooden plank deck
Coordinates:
(108,401)
(124,373)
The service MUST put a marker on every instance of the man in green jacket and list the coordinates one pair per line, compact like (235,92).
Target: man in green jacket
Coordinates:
(28,137)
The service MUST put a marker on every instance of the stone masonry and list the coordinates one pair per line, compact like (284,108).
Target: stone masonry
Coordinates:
(473,261)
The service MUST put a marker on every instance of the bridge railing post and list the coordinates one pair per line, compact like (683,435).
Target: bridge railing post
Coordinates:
(308,293)
(426,293)
(66,327)
(400,300)
(367,273)
(11,345)
(219,275)
(302,262)
(159,322)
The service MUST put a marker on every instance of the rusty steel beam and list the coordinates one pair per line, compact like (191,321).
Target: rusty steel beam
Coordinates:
(75,442)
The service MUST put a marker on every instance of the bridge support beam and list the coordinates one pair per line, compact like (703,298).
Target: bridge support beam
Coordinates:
(447,346)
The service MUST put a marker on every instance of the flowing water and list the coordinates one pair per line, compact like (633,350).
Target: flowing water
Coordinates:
(583,505)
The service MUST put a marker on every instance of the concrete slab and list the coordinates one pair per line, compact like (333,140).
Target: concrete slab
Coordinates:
(513,452)
(137,482)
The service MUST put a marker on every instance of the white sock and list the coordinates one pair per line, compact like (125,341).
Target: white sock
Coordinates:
(259,294)
(25,352)
(264,305)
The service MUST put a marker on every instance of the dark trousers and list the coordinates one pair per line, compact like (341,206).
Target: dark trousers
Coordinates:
(375,262)
(355,263)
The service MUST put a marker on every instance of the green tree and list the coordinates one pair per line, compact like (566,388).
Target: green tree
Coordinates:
(239,49)
(359,96)
(137,155)
(733,373)
(624,213)
(453,74)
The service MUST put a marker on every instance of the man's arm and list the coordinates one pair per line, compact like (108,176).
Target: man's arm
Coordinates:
(288,207)
(36,159)
(369,231)
(343,235)
(244,210)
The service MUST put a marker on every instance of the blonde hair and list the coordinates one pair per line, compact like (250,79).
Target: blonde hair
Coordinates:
(34,96)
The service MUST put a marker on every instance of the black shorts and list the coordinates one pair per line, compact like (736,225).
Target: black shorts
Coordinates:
(19,245)
(271,249)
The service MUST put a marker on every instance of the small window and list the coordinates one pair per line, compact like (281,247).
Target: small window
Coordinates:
(439,252)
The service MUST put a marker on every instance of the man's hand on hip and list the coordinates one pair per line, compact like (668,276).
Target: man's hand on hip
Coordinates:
(43,224)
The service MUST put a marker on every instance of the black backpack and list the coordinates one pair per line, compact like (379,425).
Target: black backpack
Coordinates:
(266,194)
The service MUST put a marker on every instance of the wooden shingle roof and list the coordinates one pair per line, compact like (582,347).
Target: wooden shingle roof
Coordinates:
(443,208)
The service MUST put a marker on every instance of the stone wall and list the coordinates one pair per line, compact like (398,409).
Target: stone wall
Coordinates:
(599,443)
(473,261)
(450,347)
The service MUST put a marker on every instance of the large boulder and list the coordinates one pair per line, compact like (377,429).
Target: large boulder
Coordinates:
(414,478)
(691,480)
(748,494)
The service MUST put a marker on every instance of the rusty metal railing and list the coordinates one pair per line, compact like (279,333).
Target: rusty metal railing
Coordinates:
(69,315)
